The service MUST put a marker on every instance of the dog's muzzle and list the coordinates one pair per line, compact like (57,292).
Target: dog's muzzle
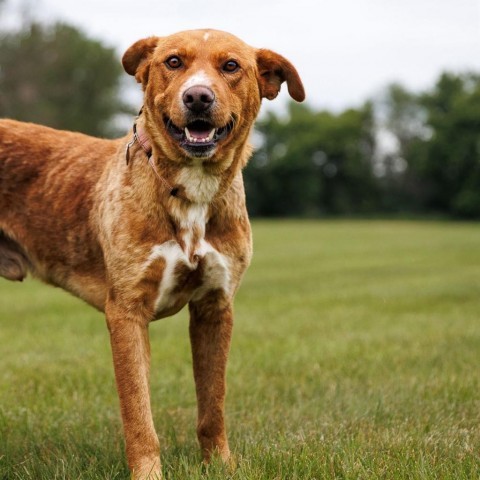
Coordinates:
(200,136)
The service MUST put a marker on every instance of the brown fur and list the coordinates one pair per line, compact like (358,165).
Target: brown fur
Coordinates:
(76,215)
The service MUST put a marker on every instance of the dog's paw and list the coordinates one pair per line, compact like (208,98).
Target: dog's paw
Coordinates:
(150,470)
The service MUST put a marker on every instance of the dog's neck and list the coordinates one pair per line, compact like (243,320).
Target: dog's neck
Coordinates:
(189,192)
(140,137)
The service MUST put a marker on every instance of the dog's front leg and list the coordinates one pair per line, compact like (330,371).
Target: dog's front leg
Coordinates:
(131,359)
(211,321)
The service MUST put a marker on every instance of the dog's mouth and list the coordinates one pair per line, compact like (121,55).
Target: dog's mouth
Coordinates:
(200,137)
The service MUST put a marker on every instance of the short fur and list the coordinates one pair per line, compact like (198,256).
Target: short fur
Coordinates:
(75,214)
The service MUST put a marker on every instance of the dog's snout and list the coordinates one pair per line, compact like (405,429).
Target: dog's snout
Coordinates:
(198,98)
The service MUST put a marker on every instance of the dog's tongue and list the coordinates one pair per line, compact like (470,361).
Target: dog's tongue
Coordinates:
(199,131)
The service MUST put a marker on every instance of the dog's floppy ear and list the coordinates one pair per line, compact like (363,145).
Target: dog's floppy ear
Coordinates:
(273,70)
(136,60)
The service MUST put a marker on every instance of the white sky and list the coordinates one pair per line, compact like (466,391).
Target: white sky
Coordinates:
(344,50)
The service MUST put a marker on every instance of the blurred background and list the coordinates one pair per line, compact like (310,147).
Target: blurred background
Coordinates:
(391,125)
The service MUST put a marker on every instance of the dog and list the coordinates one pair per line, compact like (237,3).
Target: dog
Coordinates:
(141,226)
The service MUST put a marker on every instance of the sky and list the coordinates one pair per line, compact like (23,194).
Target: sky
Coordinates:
(346,51)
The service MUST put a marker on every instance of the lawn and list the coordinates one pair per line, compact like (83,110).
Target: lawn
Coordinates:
(356,355)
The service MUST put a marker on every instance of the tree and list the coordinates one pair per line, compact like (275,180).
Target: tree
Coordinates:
(401,124)
(313,163)
(449,162)
(438,139)
(56,76)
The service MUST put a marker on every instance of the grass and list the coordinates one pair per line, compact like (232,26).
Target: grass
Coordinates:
(356,355)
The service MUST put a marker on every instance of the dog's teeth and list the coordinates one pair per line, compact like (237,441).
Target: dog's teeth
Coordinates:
(187,134)
(193,139)
(212,134)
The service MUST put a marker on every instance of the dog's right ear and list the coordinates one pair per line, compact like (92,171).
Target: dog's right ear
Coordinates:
(136,60)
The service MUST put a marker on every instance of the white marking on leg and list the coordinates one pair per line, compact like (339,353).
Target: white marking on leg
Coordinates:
(205,37)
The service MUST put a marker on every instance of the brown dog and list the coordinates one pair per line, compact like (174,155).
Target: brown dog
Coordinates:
(137,238)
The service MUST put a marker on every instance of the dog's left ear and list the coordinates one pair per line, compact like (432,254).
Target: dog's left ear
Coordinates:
(273,70)
(136,60)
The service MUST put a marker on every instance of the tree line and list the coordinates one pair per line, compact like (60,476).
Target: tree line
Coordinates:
(404,153)
(410,153)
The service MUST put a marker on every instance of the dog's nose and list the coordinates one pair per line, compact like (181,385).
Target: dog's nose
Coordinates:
(198,98)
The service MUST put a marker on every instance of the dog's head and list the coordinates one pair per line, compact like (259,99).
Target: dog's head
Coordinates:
(203,89)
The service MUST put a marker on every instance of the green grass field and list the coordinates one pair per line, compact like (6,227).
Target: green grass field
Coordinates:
(356,355)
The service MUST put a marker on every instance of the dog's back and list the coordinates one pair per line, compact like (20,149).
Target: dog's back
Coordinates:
(47,181)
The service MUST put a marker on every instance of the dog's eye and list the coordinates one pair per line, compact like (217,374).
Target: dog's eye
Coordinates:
(231,66)
(173,62)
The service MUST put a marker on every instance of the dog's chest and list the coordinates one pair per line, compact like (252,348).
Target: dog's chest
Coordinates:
(191,267)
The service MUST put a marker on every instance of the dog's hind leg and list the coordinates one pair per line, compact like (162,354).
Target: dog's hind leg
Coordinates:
(211,322)
(13,261)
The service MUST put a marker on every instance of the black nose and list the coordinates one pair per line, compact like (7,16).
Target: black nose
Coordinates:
(198,99)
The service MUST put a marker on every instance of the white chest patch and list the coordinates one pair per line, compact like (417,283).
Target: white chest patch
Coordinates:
(199,186)
(190,272)
(210,271)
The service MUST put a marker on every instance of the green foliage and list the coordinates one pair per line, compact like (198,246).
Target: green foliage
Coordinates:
(439,138)
(354,356)
(57,76)
(318,163)
(313,163)
(449,162)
